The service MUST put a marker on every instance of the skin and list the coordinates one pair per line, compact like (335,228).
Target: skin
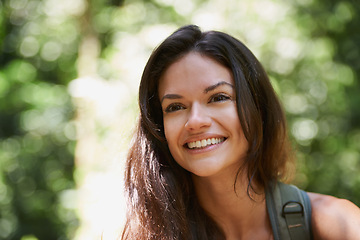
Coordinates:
(334,218)
(198,102)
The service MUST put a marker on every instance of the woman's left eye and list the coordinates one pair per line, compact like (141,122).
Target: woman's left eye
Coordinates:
(219,98)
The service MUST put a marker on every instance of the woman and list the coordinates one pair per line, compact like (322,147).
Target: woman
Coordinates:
(211,141)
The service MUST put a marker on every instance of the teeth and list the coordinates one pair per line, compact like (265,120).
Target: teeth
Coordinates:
(205,142)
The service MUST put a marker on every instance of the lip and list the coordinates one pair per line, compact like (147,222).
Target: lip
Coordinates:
(201,137)
(204,137)
(205,149)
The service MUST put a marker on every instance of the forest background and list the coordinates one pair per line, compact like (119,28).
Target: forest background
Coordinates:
(69,74)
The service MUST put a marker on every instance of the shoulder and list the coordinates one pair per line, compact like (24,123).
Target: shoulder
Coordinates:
(334,218)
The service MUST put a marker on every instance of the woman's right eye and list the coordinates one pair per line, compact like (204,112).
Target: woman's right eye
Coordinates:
(174,107)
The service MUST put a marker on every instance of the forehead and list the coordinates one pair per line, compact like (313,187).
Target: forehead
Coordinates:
(193,72)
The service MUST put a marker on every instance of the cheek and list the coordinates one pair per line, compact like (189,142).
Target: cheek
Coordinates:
(171,129)
(229,117)
(233,124)
(171,139)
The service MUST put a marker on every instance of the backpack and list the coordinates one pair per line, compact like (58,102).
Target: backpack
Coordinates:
(289,211)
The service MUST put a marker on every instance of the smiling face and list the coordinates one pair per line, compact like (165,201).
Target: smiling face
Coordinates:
(201,124)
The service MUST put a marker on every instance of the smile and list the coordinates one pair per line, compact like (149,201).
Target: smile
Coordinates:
(205,142)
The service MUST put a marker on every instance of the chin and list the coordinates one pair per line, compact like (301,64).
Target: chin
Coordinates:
(206,173)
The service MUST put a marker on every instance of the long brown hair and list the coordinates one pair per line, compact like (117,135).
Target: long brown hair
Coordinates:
(161,200)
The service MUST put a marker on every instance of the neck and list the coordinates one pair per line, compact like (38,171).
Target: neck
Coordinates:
(238,214)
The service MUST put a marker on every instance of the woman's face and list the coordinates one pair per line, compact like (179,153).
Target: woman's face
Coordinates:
(201,124)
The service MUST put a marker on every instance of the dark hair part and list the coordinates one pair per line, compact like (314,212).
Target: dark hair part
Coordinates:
(161,199)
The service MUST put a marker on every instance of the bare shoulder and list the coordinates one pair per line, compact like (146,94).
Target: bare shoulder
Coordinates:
(334,218)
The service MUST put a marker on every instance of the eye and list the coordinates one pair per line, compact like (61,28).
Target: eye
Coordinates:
(174,107)
(219,97)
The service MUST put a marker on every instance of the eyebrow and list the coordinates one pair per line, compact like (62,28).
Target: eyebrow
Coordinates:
(208,89)
(171,96)
(213,87)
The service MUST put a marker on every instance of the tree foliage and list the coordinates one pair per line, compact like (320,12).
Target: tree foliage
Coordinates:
(310,48)
(331,161)
(36,133)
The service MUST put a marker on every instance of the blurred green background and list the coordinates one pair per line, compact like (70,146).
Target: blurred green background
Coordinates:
(69,72)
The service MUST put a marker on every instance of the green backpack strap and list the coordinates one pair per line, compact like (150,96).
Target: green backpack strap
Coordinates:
(289,211)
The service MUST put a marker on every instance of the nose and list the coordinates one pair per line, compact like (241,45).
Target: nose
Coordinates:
(198,118)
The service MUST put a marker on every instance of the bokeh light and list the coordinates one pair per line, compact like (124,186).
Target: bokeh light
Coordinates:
(69,76)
